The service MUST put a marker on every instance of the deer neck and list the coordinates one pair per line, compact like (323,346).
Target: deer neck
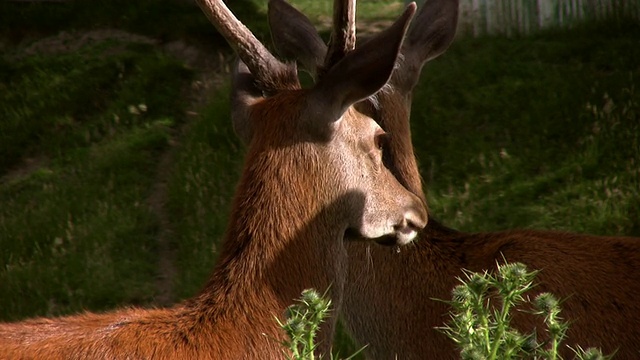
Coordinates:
(393,116)
(280,241)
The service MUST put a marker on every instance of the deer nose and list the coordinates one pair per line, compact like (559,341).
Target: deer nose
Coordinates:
(415,219)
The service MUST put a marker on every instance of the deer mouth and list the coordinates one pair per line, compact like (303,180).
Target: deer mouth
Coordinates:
(385,240)
(402,236)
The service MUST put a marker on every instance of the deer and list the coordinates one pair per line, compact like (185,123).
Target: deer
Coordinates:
(391,301)
(313,172)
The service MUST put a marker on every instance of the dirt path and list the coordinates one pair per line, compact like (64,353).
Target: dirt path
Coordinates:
(157,202)
(212,71)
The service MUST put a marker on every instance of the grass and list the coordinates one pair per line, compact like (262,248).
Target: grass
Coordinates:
(508,132)
(165,20)
(320,12)
(22,21)
(513,140)
(201,186)
(93,124)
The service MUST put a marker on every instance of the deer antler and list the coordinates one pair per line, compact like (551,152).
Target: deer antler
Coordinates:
(262,64)
(343,34)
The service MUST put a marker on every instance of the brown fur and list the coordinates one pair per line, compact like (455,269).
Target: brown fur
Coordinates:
(596,276)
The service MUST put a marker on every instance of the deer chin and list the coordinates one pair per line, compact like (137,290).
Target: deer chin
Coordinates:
(401,237)
(406,235)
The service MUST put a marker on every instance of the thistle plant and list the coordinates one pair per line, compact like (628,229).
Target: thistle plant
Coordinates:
(481,314)
(302,322)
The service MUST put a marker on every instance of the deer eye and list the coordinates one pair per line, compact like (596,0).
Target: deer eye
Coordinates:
(381,139)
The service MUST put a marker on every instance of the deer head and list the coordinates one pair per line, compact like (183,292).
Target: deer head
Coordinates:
(431,33)
(268,103)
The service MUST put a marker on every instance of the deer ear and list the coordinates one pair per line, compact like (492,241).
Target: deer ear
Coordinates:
(295,37)
(433,31)
(362,72)
(244,94)
(429,37)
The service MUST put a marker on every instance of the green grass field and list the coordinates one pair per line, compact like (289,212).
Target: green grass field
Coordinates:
(107,166)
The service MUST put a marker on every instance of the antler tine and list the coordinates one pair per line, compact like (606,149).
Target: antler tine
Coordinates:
(343,34)
(262,64)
